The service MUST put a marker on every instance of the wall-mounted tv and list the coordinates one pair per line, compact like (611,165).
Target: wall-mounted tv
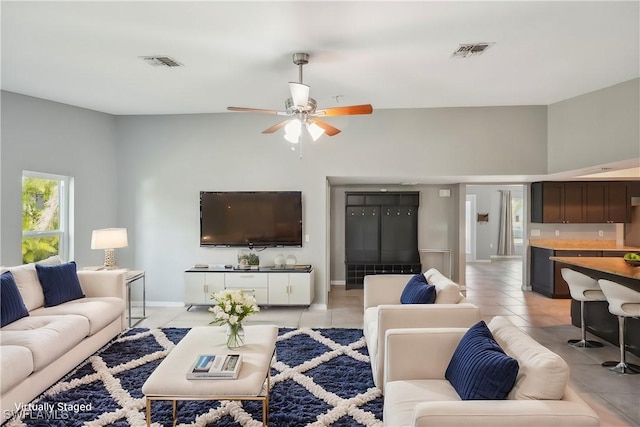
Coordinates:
(251,218)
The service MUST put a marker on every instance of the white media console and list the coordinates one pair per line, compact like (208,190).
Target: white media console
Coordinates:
(268,285)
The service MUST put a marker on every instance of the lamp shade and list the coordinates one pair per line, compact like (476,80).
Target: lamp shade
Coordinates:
(109,238)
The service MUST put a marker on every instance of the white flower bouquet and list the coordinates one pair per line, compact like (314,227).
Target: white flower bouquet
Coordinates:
(232,307)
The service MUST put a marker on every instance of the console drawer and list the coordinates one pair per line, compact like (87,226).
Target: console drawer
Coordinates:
(245,280)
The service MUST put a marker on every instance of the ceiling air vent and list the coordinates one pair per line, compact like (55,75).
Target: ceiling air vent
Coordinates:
(161,61)
(471,49)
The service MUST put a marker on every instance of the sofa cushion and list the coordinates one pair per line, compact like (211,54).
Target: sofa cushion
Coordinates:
(11,305)
(542,375)
(401,398)
(47,337)
(418,291)
(447,291)
(28,284)
(59,283)
(99,311)
(16,364)
(479,369)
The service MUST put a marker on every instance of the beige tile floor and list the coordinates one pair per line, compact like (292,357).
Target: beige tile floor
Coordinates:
(495,288)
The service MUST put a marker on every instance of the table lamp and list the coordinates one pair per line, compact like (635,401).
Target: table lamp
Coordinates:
(109,239)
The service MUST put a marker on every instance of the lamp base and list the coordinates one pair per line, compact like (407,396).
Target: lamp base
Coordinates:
(109,259)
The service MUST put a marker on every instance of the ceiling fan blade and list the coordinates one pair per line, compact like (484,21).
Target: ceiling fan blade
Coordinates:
(346,111)
(277,126)
(299,94)
(255,110)
(328,129)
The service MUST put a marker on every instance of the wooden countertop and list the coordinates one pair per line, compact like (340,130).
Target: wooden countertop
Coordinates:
(582,245)
(611,265)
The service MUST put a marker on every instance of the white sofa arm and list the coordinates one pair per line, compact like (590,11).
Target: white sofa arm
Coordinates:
(534,413)
(384,288)
(110,283)
(419,353)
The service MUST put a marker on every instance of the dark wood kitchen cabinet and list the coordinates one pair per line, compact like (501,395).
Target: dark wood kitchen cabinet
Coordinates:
(608,202)
(546,275)
(593,202)
(558,202)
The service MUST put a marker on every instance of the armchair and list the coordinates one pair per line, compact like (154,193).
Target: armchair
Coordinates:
(383,311)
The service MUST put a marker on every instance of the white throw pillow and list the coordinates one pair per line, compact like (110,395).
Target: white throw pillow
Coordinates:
(543,375)
(29,286)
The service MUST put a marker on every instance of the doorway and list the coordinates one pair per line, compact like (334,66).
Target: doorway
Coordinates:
(483,205)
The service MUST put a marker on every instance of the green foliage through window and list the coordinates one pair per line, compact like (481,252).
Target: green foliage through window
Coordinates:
(40,218)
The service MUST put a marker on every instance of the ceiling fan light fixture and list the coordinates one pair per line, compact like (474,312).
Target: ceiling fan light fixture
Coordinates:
(315,131)
(294,139)
(299,94)
(292,130)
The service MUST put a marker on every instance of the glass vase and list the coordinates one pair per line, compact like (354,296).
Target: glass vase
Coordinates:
(235,336)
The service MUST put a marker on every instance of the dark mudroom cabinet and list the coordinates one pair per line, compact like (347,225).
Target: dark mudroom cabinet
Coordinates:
(381,235)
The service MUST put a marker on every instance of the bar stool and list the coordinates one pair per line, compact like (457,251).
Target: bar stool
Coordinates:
(582,288)
(623,302)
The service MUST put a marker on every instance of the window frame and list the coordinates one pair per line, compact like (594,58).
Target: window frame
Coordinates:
(65,249)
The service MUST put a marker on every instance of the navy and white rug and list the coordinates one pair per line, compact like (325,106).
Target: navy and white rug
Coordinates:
(321,377)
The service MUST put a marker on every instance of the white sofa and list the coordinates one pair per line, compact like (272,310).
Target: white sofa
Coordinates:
(417,393)
(383,311)
(37,350)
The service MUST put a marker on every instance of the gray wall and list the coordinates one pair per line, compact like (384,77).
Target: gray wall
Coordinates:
(160,163)
(437,228)
(166,160)
(595,128)
(54,138)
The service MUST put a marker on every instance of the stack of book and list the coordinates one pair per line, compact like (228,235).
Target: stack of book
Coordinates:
(212,366)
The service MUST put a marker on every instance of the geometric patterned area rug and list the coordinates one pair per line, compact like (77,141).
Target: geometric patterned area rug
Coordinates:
(319,377)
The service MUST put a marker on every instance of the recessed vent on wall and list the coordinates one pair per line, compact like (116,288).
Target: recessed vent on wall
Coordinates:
(471,49)
(161,61)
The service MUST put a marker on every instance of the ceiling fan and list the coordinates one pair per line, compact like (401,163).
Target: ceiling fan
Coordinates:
(303,112)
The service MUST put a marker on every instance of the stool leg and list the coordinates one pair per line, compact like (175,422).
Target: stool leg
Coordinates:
(622,367)
(584,342)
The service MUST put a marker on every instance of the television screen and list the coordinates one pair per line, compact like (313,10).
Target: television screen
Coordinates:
(251,219)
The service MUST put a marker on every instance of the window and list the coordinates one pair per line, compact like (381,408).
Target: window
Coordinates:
(45,216)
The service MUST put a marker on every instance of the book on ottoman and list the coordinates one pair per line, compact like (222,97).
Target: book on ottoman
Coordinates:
(212,366)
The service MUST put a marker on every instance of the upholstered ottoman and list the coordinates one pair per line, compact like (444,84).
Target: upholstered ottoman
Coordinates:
(169,380)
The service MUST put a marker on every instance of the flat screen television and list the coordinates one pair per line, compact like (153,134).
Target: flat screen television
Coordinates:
(251,218)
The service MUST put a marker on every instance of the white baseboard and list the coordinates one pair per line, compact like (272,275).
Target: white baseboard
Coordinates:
(318,307)
(163,304)
(498,257)
(478,261)
(338,283)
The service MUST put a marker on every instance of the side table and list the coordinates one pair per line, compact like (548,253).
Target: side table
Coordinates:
(134,276)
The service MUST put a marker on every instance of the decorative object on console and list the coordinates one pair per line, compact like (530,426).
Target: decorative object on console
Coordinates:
(302,110)
(290,261)
(230,310)
(247,259)
(279,261)
(109,239)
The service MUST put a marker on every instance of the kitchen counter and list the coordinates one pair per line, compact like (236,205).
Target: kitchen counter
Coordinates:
(609,265)
(581,245)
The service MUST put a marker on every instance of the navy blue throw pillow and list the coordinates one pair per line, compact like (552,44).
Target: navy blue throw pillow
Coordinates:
(418,291)
(59,283)
(12,307)
(479,368)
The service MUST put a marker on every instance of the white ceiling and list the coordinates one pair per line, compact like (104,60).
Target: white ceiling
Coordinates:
(390,54)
